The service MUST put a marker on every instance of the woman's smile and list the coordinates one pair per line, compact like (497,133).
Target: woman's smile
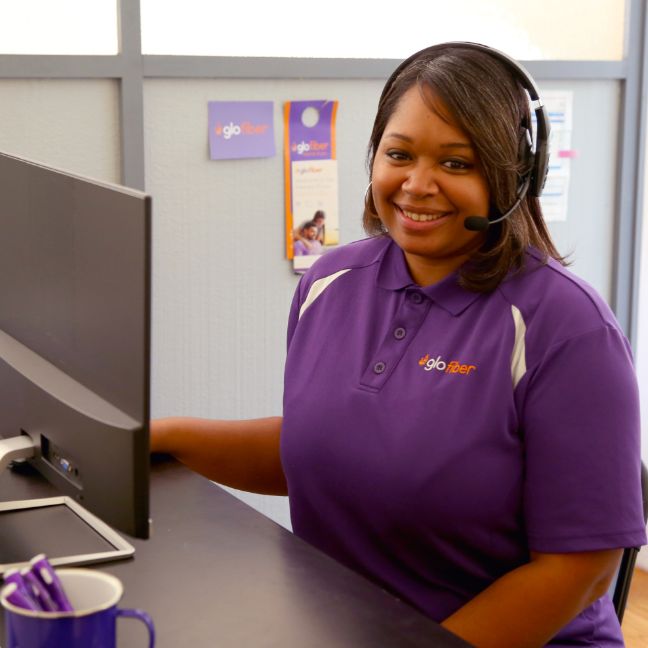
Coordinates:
(417,219)
(426,181)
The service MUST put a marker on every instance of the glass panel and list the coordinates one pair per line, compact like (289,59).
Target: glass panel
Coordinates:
(58,27)
(550,29)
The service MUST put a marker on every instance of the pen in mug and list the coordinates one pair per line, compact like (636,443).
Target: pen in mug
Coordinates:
(18,598)
(37,591)
(13,576)
(44,572)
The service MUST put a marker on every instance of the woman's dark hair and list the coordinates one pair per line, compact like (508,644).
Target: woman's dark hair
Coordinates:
(478,94)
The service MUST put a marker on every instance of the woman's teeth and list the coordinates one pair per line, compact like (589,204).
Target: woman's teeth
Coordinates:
(421,217)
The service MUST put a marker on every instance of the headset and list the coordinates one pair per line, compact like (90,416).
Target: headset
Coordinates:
(532,156)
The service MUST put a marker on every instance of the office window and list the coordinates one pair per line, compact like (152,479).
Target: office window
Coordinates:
(58,27)
(544,29)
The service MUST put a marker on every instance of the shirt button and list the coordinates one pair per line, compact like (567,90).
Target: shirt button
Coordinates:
(379,367)
(399,333)
(417,298)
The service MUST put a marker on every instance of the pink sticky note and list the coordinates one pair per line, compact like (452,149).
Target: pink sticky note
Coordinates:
(568,154)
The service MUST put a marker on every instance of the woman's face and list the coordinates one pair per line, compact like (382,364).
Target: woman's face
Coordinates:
(426,181)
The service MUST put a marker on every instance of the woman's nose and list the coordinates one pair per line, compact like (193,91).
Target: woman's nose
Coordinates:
(421,182)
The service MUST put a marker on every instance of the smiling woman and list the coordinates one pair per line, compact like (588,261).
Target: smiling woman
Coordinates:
(451,395)
(426,181)
(470,108)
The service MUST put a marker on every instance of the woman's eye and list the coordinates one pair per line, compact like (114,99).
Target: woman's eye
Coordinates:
(457,165)
(396,154)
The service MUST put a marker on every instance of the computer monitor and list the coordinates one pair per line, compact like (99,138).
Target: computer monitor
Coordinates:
(75,258)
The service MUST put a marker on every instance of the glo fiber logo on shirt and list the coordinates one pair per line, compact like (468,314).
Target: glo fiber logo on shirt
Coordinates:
(452,367)
(246,128)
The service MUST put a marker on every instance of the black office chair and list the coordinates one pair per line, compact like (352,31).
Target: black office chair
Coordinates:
(621,587)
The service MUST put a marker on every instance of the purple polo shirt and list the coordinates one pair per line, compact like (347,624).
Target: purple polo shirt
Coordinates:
(433,436)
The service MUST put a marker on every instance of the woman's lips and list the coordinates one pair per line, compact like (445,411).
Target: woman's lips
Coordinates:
(431,220)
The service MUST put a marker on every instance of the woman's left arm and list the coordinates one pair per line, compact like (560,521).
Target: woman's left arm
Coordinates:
(528,606)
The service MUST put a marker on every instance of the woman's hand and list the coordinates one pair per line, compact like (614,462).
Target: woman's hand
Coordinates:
(239,454)
(528,606)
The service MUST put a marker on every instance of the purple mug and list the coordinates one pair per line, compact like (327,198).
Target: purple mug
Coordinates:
(94,597)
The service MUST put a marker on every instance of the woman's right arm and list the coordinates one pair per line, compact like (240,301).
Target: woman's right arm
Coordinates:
(240,454)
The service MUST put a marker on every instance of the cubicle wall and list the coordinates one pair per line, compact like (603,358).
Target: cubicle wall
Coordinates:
(222,286)
(588,231)
(69,123)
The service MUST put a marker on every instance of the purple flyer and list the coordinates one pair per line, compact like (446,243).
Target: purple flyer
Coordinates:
(311,142)
(311,174)
(241,129)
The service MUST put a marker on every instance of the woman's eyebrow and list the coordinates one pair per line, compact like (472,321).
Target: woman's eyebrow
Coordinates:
(456,145)
(409,140)
(405,138)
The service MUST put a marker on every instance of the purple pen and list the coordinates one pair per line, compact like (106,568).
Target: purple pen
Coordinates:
(13,576)
(15,596)
(44,572)
(37,591)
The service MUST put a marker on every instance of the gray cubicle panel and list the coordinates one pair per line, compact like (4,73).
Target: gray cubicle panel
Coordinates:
(589,228)
(71,124)
(222,286)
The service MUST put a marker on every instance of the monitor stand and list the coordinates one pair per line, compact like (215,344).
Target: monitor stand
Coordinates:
(74,535)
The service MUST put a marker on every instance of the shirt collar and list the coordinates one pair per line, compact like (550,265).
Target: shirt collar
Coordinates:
(393,275)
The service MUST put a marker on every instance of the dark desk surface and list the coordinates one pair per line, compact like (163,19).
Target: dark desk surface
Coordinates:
(216,573)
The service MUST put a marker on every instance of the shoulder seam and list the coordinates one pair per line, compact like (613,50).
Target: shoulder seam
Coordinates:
(353,265)
(566,277)
(605,325)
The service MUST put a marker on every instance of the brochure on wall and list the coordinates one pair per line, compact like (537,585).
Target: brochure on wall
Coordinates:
(241,129)
(559,105)
(311,181)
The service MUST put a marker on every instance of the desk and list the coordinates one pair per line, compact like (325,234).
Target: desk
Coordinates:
(218,574)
